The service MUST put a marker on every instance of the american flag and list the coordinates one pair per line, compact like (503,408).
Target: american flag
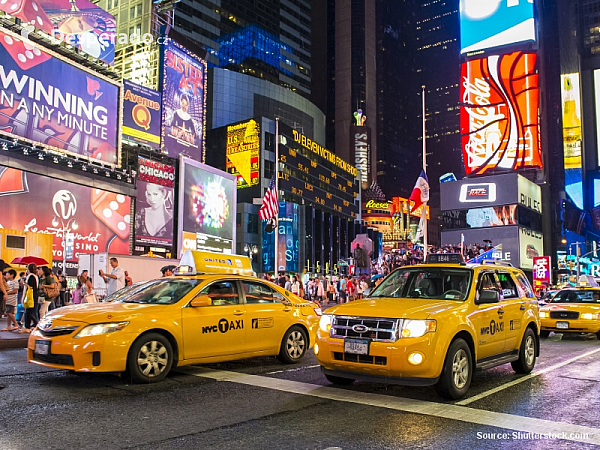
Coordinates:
(270,205)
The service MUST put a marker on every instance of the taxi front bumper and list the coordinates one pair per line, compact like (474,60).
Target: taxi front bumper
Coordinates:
(102,353)
(573,326)
(386,362)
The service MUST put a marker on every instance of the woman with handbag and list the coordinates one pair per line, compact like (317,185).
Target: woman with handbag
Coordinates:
(30,299)
(50,291)
(87,289)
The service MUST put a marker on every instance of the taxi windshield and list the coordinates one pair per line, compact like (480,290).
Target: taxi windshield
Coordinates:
(115,296)
(426,282)
(164,291)
(577,296)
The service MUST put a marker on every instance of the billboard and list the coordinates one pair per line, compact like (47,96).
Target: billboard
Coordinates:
(207,208)
(183,81)
(79,23)
(288,243)
(361,148)
(542,275)
(53,103)
(243,153)
(99,221)
(154,204)
(141,114)
(499,113)
(487,24)
(531,245)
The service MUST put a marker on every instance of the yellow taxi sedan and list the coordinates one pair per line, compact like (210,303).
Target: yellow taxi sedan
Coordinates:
(177,321)
(572,311)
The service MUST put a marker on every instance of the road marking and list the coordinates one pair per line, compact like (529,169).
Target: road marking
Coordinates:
(576,433)
(475,398)
(293,370)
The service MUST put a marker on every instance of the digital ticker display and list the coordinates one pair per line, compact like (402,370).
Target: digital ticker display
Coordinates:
(306,178)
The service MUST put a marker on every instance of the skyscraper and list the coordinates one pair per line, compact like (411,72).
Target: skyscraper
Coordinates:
(268,39)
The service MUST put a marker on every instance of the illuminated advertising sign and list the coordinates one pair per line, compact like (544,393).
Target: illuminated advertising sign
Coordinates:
(499,113)
(404,205)
(361,138)
(141,114)
(98,220)
(55,104)
(486,24)
(184,96)
(541,271)
(531,245)
(154,204)
(243,153)
(79,23)
(288,242)
(207,207)
(571,108)
(496,216)
(478,192)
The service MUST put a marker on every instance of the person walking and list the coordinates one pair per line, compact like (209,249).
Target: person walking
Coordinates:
(295,287)
(115,280)
(331,292)
(11,300)
(319,292)
(62,288)
(47,283)
(31,283)
(288,283)
(351,289)
(76,295)
(87,288)
(342,285)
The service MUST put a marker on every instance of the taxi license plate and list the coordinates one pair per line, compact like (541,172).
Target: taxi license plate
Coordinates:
(562,325)
(42,347)
(356,346)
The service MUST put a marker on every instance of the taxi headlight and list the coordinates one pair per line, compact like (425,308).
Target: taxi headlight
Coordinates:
(325,323)
(101,328)
(544,315)
(417,328)
(590,316)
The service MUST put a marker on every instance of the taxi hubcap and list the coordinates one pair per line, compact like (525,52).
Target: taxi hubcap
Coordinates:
(460,369)
(152,359)
(529,351)
(295,345)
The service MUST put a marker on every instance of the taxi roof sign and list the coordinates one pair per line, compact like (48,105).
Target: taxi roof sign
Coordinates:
(445,258)
(193,262)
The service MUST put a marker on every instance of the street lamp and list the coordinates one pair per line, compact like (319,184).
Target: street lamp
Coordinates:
(65,228)
(251,249)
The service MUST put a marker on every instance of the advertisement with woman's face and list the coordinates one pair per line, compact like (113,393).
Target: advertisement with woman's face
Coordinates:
(154,215)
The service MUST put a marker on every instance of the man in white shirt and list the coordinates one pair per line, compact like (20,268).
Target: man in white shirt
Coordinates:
(116,279)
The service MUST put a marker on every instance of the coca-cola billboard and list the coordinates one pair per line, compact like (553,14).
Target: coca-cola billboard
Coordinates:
(98,220)
(499,113)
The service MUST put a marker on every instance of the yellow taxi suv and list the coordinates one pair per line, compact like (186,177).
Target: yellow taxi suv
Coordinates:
(433,324)
(218,312)
(572,311)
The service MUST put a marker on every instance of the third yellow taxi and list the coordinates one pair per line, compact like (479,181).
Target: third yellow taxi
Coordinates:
(572,311)
(212,310)
(433,324)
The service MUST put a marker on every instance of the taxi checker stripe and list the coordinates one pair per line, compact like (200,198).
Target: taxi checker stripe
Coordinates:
(575,433)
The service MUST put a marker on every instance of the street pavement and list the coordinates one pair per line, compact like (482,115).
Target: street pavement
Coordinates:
(260,403)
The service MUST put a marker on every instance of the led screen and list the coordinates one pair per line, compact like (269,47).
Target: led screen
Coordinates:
(499,113)
(243,153)
(486,24)
(48,101)
(99,220)
(184,88)
(207,206)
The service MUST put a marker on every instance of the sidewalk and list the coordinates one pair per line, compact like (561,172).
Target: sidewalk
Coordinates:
(8,339)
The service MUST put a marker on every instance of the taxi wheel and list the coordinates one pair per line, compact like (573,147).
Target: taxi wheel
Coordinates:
(339,380)
(150,358)
(544,334)
(526,359)
(457,371)
(293,346)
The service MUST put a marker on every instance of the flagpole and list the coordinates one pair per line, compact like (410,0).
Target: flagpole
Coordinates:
(424,212)
(276,260)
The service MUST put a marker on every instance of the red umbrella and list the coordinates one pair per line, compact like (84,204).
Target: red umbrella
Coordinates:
(24,260)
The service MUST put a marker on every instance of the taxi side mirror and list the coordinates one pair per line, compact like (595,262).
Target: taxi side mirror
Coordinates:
(200,301)
(487,297)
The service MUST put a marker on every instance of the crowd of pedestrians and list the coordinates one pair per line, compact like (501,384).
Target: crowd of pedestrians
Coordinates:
(324,290)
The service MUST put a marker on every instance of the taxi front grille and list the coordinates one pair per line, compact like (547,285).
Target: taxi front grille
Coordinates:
(378,330)
(63,360)
(572,315)
(58,331)
(361,359)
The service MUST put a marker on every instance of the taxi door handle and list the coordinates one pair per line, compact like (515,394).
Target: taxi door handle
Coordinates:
(238,312)
(522,308)
(500,311)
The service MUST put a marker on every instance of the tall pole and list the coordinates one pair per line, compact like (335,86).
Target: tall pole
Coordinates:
(64,242)
(577,280)
(276,261)
(424,212)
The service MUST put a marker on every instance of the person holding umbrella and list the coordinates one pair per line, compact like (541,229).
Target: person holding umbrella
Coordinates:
(31,283)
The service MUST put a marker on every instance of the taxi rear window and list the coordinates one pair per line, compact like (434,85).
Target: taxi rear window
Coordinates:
(164,291)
